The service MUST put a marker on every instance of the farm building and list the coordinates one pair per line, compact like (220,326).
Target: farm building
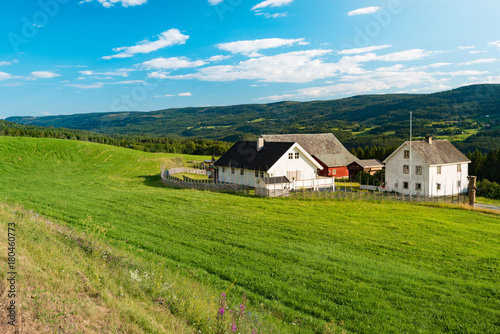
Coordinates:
(427,168)
(246,162)
(370,166)
(325,148)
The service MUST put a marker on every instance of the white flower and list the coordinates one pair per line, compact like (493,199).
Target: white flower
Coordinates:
(134,275)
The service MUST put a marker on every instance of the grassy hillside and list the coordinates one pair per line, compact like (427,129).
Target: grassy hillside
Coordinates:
(63,288)
(236,122)
(377,268)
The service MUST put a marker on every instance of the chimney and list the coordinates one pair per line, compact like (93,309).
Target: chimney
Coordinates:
(428,139)
(260,144)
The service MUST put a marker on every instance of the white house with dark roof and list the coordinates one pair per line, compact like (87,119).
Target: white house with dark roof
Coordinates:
(427,168)
(324,147)
(247,162)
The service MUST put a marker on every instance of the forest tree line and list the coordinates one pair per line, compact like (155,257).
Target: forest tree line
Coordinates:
(142,143)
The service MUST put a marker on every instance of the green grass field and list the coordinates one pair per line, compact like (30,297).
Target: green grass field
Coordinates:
(377,268)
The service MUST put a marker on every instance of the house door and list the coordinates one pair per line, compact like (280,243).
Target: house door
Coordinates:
(294,175)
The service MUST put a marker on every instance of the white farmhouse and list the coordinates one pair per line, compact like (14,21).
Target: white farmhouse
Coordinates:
(282,164)
(427,168)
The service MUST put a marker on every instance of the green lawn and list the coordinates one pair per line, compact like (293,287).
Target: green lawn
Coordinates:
(378,268)
(488,201)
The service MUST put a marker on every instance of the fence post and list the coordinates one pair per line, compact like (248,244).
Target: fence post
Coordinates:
(472,190)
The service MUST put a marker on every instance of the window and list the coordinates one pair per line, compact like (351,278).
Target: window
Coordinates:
(396,185)
(459,168)
(439,170)
(459,184)
(256,173)
(438,186)
(297,155)
(242,172)
(418,186)
(334,172)
(407,154)
(223,169)
(233,170)
(406,169)
(261,174)
(418,170)
(290,155)
(405,185)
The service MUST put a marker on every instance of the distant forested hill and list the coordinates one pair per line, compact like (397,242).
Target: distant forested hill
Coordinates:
(383,113)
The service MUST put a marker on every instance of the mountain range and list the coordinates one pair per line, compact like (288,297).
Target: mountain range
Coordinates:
(236,122)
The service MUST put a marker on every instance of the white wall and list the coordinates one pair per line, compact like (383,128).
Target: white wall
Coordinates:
(394,174)
(306,167)
(248,178)
(449,180)
(429,178)
(281,167)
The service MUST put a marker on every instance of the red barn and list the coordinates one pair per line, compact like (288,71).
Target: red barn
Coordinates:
(325,148)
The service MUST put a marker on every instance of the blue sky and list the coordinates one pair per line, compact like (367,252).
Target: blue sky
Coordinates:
(66,57)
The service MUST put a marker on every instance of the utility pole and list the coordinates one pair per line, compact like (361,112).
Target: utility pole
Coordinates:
(411,149)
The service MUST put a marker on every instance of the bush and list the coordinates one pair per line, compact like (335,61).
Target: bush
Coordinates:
(488,189)
(367,179)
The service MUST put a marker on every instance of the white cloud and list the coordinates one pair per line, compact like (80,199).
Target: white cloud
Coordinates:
(7,63)
(167,95)
(102,84)
(92,86)
(462,73)
(377,81)
(123,72)
(218,58)
(435,65)
(479,61)
(69,66)
(185,94)
(214,2)
(165,39)
(407,55)
(44,75)
(126,82)
(4,76)
(158,75)
(466,47)
(173,63)
(299,66)
(363,50)
(124,3)
(272,3)
(364,11)
(494,44)
(251,48)
(476,52)
(273,16)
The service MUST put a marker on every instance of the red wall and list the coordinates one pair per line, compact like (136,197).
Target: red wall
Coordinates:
(329,172)
(341,172)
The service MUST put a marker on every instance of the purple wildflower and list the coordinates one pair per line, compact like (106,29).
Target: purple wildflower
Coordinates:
(221,311)
(233,328)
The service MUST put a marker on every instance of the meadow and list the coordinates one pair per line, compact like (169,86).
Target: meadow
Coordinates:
(304,264)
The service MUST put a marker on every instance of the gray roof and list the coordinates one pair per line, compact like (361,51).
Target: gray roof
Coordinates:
(323,146)
(440,152)
(369,163)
